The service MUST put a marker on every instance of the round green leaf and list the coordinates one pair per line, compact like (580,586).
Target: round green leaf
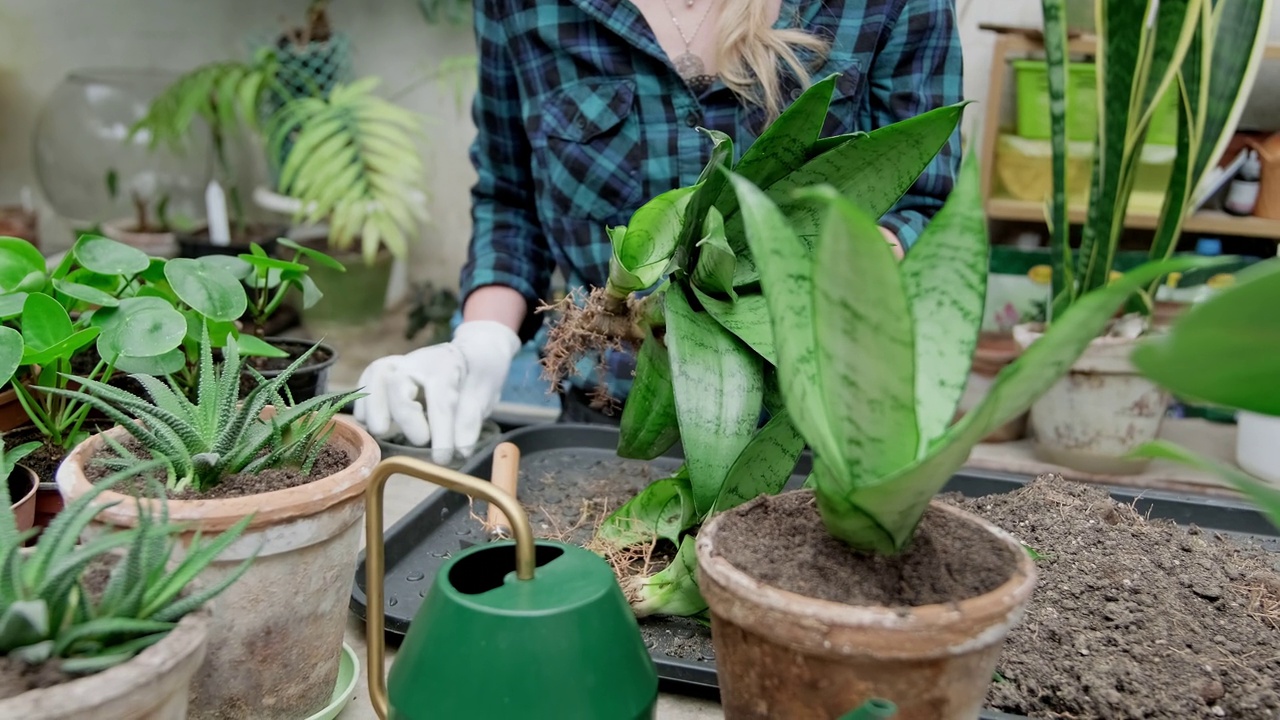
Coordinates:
(238,268)
(10,353)
(45,323)
(22,267)
(158,365)
(141,327)
(261,263)
(85,293)
(155,271)
(108,257)
(109,284)
(319,257)
(211,291)
(11,305)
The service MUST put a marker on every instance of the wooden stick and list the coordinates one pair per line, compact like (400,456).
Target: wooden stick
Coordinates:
(505,475)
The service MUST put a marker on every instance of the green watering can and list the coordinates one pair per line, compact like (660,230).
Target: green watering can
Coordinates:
(535,630)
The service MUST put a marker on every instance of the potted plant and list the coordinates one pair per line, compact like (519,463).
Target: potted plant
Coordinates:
(152,236)
(1104,409)
(108,628)
(298,469)
(21,482)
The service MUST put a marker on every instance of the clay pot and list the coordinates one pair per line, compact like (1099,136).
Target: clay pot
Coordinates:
(1099,412)
(12,416)
(23,484)
(156,244)
(151,686)
(783,655)
(277,637)
(993,352)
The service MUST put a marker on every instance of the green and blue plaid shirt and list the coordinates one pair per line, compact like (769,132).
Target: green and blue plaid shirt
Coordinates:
(581,118)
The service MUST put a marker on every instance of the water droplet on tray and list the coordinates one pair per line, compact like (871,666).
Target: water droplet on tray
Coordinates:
(464,531)
(438,554)
(392,601)
(414,576)
(422,593)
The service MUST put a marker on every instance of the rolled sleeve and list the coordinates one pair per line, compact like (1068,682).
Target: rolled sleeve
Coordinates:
(920,68)
(508,246)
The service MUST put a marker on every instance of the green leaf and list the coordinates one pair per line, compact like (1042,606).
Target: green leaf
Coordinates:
(140,327)
(945,278)
(262,263)
(235,266)
(23,623)
(747,317)
(674,590)
(707,192)
(718,386)
(64,348)
(11,350)
(649,426)
(1223,351)
(765,465)
(11,305)
(1266,497)
(642,253)
(882,515)
(311,293)
(663,510)
(45,323)
(315,255)
(85,293)
(1055,44)
(155,365)
(715,267)
(22,267)
(209,290)
(108,257)
(253,346)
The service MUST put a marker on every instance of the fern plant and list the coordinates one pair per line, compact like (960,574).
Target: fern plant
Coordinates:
(201,443)
(353,163)
(48,613)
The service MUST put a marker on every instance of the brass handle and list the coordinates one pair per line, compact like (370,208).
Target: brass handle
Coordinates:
(504,475)
(375,552)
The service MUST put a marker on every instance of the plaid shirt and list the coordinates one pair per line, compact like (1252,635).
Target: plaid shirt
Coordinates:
(581,118)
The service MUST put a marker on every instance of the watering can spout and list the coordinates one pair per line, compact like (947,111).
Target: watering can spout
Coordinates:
(490,637)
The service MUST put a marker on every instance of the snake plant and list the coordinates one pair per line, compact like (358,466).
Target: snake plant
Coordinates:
(49,613)
(217,435)
(1208,52)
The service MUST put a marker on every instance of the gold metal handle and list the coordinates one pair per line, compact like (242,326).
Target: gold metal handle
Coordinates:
(375,552)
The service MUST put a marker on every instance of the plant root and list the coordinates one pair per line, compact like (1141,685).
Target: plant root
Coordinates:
(602,322)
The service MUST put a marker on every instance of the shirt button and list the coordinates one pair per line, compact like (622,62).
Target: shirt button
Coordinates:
(796,93)
(692,119)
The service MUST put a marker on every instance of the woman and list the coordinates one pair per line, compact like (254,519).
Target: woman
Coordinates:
(586,108)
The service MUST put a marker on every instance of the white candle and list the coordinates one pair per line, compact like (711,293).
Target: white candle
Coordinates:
(216,208)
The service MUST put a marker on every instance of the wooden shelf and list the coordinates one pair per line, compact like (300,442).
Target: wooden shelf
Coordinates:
(1209,222)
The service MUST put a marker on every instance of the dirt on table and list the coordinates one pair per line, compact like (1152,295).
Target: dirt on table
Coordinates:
(44,461)
(1134,617)
(330,460)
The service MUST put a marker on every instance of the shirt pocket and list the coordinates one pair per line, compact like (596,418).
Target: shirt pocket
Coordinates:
(589,149)
(849,97)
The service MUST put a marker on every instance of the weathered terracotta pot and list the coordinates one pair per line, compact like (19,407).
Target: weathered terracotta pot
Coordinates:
(783,655)
(124,230)
(1099,412)
(22,486)
(276,641)
(12,416)
(152,686)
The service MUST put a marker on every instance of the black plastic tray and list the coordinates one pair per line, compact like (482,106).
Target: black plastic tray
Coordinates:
(418,544)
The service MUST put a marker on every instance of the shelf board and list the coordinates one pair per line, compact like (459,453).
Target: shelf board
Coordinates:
(1209,222)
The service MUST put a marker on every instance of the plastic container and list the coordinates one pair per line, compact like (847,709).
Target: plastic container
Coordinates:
(1031,79)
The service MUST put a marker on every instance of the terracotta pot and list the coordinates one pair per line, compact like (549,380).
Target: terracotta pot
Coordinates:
(1166,311)
(48,504)
(1099,412)
(12,416)
(151,686)
(22,486)
(993,352)
(783,655)
(277,637)
(157,244)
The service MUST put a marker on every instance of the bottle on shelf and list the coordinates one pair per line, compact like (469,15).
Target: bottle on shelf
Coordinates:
(1242,193)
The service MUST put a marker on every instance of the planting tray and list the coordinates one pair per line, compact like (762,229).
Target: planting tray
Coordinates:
(419,543)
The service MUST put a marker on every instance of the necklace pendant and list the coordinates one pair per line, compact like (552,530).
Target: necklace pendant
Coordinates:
(690,66)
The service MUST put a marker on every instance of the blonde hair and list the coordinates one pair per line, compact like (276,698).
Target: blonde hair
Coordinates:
(749,54)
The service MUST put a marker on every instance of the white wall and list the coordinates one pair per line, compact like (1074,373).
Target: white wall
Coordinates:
(41,40)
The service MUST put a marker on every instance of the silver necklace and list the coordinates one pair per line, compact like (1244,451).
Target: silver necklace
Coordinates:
(690,66)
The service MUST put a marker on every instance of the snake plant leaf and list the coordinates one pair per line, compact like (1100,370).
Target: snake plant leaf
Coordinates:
(869,396)
(1055,46)
(1176,22)
(788,272)
(22,267)
(719,386)
(785,145)
(649,427)
(714,270)
(707,189)
(747,317)
(873,170)
(1180,187)
(945,278)
(11,347)
(881,516)
(663,510)
(642,254)
(1266,497)
(1239,34)
(827,144)
(1223,351)
(765,464)
(673,591)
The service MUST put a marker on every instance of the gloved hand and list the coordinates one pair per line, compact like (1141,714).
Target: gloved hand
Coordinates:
(459,382)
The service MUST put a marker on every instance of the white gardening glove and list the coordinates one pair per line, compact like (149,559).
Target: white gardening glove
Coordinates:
(459,381)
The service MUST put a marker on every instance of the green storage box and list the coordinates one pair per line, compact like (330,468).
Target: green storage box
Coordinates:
(1031,82)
